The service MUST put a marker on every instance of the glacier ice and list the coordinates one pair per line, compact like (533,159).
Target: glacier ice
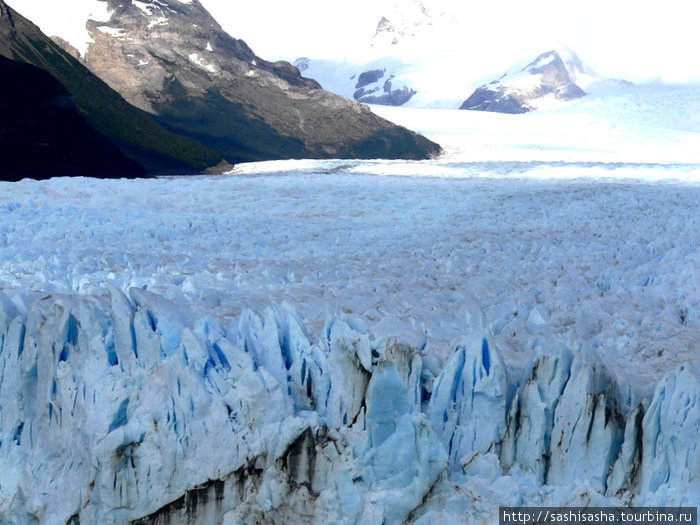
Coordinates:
(670,448)
(468,403)
(123,407)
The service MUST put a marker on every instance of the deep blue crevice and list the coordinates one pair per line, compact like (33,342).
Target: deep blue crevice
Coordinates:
(119,419)
(111,353)
(457,378)
(285,344)
(485,356)
(72,335)
(221,357)
(153,322)
(17,437)
(20,347)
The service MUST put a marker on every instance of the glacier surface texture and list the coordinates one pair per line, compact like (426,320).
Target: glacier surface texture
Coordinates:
(322,346)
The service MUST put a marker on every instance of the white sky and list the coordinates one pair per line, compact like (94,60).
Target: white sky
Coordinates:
(638,40)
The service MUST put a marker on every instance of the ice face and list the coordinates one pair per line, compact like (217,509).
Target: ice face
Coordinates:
(468,405)
(135,405)
(531,418)
(670,449)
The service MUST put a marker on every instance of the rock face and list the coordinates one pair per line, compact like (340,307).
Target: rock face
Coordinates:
(373,88)
(377,82)
(43,135)
(173,60)
(547,78)
(133,131)
(123,407)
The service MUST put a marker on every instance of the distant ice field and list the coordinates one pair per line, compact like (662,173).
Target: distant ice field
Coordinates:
(597,263)
(615,124)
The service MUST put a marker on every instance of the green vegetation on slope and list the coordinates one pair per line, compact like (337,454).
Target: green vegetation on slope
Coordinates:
(42,135)
(226,126)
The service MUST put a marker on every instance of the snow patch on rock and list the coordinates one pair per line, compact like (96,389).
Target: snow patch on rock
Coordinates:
(52,19)
(112,31)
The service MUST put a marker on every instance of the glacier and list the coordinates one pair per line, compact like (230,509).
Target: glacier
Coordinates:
(362,341)
(152,415)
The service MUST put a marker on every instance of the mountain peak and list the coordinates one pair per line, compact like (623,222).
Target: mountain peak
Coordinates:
(404,20)
(550,58)
(546,80)
(6,16)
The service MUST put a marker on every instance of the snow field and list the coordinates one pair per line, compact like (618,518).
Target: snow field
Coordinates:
(614,124)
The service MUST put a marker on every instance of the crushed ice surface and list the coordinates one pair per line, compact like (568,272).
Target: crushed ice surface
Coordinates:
(609,265)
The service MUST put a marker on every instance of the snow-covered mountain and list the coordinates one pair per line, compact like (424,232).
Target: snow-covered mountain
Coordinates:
(414,59)
(403,22)
(172,59)
(408,60)
(545,81)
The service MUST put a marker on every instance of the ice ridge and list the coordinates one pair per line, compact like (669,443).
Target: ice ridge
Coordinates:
(123,408)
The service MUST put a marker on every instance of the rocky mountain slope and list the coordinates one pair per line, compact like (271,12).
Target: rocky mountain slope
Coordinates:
(546,79)
(135,132)
(173,60)
(43,135)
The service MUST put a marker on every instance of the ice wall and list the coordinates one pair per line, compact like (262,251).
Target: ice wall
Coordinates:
(125,408)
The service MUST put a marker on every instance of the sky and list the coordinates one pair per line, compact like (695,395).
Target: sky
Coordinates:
(637,40)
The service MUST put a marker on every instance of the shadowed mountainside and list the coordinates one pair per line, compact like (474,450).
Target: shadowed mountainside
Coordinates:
(43,135)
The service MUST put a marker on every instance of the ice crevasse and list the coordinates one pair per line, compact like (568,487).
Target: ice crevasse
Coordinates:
(126,408)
